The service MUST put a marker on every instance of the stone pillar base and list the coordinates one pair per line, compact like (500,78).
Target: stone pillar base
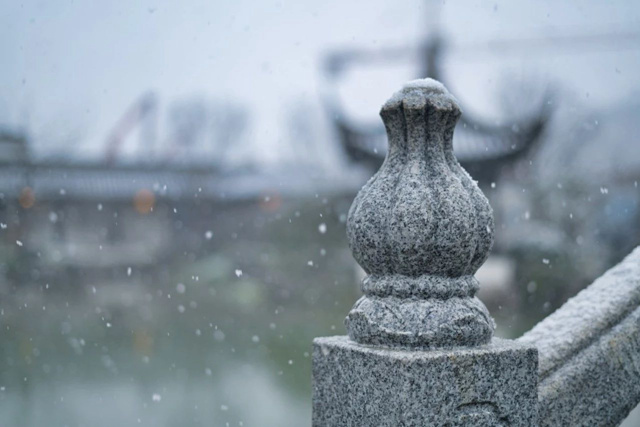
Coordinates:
(491,385)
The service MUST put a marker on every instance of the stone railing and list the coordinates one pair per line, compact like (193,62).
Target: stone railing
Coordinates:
(420,350)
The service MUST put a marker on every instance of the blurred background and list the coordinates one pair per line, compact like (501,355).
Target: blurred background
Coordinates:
(175,179)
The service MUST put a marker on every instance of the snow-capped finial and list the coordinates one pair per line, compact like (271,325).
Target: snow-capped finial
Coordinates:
(415,93)
(420,228)
(428,83)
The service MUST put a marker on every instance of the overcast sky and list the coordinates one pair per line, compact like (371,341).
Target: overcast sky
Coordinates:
(73,67)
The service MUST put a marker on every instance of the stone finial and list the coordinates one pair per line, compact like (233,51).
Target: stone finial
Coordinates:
(420,228)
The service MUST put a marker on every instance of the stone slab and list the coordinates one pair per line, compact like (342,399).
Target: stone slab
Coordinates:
(590,352)
(600,386)
(357,385)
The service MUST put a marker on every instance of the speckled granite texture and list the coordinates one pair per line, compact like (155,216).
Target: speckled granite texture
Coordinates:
(420,228)
(590,352)
(488,386)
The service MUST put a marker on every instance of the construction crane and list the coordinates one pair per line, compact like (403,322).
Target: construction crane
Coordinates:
(142,112)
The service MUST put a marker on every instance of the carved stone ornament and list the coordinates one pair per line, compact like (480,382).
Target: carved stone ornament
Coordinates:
(420,228)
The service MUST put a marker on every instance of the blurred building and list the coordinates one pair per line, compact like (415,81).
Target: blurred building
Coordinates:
(94,217)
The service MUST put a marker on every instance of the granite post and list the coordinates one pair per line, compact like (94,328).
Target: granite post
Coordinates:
(420,350)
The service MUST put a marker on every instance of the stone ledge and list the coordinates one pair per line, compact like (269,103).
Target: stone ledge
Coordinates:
(490,385)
